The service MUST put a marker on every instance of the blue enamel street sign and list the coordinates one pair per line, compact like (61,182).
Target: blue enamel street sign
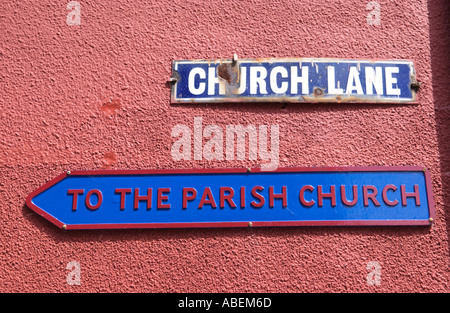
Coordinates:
(236,198)
(293,80)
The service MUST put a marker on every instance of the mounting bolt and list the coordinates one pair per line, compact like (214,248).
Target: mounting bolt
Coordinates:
(250,224)
(424,170)
(64,226)
(249,170)
(431,220)
(318,91)
(415,86)
(68,172)
(235,58)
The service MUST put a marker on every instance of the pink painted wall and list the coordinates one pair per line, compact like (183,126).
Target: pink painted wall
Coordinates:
(95,96)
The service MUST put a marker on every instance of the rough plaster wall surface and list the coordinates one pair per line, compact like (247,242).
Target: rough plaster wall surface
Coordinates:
(94,96)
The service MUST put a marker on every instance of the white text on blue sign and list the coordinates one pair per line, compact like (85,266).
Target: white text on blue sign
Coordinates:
(299,80)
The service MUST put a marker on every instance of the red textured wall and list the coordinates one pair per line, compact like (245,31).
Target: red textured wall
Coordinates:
(94,96)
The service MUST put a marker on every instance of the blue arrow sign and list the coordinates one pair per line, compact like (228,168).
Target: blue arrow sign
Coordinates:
(293,80)
(236,198)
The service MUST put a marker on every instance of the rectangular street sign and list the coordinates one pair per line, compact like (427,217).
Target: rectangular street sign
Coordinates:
(293,80)
(343,196)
